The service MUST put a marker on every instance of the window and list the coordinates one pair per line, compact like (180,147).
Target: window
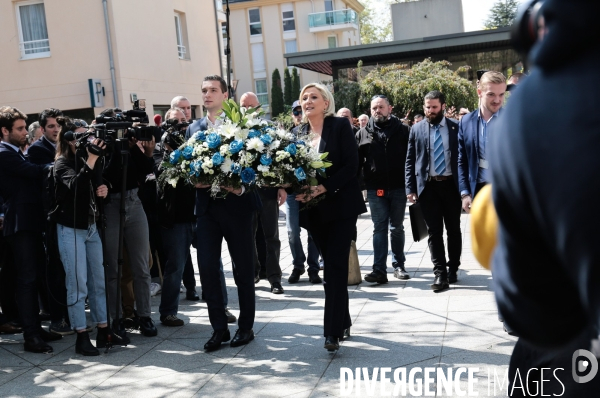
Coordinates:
(329,11)
(290,46)
(328,5)
(254,18)
(219,5)
(224,35)
(181,50)
(33,33)
(287,15)
(261,91)
(332,41)
(258,57)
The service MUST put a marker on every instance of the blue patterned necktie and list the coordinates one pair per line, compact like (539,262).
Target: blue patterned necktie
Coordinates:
(438,152)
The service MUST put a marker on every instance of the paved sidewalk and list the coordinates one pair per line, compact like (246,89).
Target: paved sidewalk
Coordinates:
(402,324)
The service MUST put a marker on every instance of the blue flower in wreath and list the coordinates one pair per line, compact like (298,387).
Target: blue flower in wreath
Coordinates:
(187,152)
(196,168)
(175,156)
(266,139)
(265,160)
(236,168)
(248,175)
(199,136)
(301,143)
(217,159)
(236,146)
(291,149)
(214,140)
(253,133)
(300,174)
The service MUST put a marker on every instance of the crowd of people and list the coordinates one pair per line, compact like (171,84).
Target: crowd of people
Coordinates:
(68,245)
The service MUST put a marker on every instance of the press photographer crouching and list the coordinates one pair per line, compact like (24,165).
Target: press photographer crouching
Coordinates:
(77,194)
(137,156)
(176,218)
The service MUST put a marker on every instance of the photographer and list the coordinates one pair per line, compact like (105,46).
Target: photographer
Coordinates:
(79,243)
(176,219)
(136,235)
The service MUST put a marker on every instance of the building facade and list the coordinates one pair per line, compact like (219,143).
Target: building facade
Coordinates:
(426,18)
(262,31)
(56,53)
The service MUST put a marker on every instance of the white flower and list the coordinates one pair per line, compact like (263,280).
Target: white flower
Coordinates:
(224,149)
(255,144)
(241,134)
(263,169)
(226,165)
(252,121)
(229,129)
(173,182)
(274,145)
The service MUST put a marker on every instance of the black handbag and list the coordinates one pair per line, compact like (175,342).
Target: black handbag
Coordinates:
(417,222)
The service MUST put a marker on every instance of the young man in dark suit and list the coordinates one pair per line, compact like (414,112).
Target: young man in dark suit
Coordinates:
(474,131)
(21,188)
(43,150)
(432,178)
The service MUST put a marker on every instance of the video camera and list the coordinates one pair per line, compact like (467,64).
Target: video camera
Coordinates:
(175,133)
(121,125)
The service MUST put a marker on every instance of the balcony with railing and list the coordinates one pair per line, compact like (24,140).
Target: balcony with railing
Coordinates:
(333,20)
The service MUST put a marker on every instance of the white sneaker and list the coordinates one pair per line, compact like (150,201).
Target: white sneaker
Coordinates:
(155,289)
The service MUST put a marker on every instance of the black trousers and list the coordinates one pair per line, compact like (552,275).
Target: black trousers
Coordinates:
(333,241)
(189,279)
(28,262)
(238,230)
(441,205)
(268,217)
(8,291)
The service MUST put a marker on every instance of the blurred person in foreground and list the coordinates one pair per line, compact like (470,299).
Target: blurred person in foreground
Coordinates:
(545,191)
(332,221)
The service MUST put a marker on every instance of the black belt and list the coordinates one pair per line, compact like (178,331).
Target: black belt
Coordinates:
(438,178)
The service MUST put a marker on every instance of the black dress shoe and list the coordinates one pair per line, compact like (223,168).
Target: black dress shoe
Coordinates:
(10,328)
(346,334)
(84,346)
(332,343)
(192,295)
(295,275)
(37,345)
(452,277)
(242,337)
(47,336)
(314,278)
(376,277)
(440,283)
(276,288)
(218,337)
(147,326)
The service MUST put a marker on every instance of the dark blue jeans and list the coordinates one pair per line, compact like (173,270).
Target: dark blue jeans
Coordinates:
(174,249)
(387,211)
(292,222)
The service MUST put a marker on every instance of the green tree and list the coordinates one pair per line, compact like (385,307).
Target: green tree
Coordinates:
(405,88)
(346,94)
(502,14)
(276,94)
(295,85)
(374,27)
(287,87)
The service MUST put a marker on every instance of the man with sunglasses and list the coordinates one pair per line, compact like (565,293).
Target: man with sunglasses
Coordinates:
(382,154)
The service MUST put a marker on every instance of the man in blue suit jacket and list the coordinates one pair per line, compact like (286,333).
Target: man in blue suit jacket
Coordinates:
(231,218)
(474,131)
(21,188)
(431,177)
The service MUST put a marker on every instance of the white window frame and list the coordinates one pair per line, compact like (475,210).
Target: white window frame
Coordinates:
(283,20)
(44,54)
(336,41)
(181,50)
(264,95)
(255,23)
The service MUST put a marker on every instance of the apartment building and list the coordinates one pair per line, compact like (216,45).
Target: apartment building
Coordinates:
(56,53)
(262,31)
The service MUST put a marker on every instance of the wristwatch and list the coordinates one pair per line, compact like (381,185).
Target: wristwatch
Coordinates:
(463,195)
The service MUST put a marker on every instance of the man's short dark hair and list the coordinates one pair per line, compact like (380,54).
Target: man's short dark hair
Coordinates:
(46,113)
(438,95)
(219,79)
(9,115)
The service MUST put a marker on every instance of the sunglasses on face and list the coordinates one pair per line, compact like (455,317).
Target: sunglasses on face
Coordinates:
(80,123)
(297,112)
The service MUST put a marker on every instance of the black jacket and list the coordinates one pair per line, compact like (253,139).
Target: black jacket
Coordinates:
(138,167)
(41,152)
(175,205)
(343,198)
(75,193)
(382,153)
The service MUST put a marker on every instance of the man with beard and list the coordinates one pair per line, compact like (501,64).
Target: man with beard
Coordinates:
(382,153)
(432,178)
(473,135)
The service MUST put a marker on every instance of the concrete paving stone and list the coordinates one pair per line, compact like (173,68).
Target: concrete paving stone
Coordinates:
(117,356)
(7,373)
(175,356)
(36,359)
(275,345)
(36,383)
(283,327)
(85,375)
(298,362)
(429,342)
(471,303)
(407,321)
(459,341)
(475,321)
(10,359)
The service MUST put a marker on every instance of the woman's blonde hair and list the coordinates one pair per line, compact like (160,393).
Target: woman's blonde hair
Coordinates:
(327,96)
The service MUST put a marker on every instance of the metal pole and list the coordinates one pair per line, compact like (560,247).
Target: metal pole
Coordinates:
(228,49)
(219,39)
(110,55)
